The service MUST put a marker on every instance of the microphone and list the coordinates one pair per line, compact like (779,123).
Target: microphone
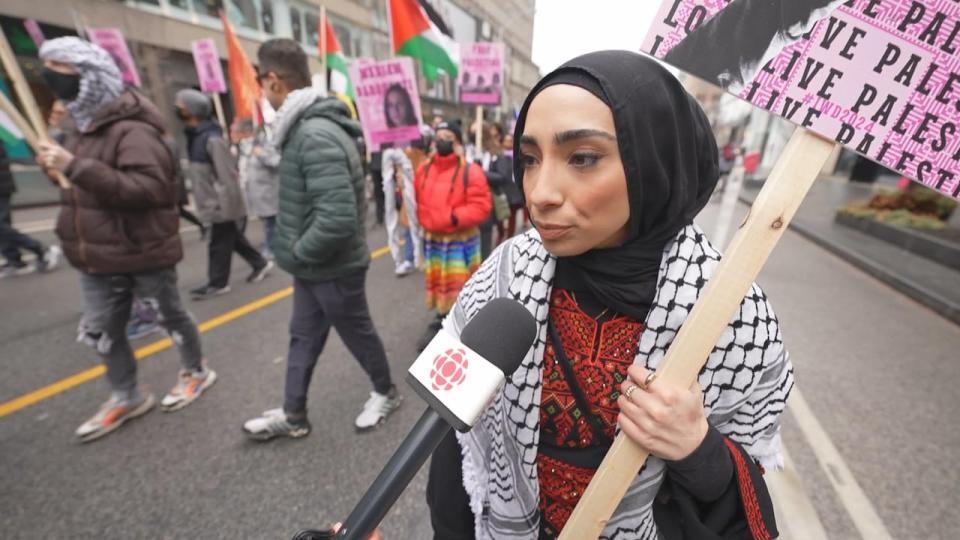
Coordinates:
(458,379)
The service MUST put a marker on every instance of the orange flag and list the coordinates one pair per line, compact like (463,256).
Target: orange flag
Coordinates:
(243,78)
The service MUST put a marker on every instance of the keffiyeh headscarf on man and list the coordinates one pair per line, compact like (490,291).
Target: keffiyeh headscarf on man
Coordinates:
(669,156)
(100,80)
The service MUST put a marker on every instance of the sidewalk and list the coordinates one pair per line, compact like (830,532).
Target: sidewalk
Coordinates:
(931,284)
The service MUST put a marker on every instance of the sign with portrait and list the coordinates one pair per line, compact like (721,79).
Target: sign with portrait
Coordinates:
(881,77)
(481,73)
(387,100)
(112,40)
(209,70)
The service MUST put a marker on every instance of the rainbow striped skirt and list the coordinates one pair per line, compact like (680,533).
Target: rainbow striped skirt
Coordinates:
(450,259)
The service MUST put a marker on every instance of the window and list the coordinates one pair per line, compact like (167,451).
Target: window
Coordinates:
(266,15)
(180,4)
(296,25)
(243,13)
(311,20)
(149,2)
(210,8)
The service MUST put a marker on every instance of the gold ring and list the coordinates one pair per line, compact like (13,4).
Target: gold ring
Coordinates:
(648,380)
(630,389)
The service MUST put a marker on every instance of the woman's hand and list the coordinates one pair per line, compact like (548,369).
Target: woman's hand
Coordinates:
(666,421)
(54,156)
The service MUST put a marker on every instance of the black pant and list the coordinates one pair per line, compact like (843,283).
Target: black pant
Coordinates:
(318,305)
(12,240)
(379,197)
(225,239)
(449,504)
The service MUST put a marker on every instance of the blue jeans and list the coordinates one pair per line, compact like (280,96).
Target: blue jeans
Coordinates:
(408,245)
(269,232)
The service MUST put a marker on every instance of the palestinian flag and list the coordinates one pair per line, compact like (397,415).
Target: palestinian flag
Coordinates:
(419,32)
(336,61)
(244,86)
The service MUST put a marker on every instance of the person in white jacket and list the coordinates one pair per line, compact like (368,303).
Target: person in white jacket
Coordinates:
(404,235)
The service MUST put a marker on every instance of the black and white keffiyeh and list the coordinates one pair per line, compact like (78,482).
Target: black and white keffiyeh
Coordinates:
(100,80)
(746,382)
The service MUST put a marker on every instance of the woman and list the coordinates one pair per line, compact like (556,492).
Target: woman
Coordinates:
(453,199)
(403,229)
(398,108)
(615,159)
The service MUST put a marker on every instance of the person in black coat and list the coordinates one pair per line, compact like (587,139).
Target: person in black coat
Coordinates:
(12,241)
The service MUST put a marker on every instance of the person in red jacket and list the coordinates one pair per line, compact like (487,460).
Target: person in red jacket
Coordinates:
(453,198)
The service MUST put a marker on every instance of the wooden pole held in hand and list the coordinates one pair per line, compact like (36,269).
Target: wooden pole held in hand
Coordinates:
(788,183)
(26,100)
(218,106)
(478,136)
(30,136)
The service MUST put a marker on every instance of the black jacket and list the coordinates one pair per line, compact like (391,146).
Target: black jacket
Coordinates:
(7,185)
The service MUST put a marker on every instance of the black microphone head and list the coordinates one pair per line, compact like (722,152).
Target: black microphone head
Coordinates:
(502,332)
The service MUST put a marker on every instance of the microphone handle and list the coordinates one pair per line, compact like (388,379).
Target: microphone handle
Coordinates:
(395,476)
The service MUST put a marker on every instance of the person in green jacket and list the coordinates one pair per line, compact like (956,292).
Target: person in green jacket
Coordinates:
(319,239)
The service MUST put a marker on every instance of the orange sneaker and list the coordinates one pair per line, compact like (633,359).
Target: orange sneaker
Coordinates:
(190,386)
(112,415)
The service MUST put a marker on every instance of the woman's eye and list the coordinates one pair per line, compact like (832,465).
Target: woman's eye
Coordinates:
(584,159)
(527,161)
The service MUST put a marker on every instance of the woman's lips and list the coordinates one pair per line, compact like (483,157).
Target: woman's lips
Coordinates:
(552,232)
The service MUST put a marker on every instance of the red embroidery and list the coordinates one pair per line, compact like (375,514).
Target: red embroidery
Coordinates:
(600,361)
(751,506)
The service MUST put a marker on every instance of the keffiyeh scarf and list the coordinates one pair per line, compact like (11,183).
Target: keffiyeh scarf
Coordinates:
(100,79)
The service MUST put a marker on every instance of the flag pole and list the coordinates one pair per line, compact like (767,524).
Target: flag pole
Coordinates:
(28,102)
(478,136)
(218,106)
(323,47)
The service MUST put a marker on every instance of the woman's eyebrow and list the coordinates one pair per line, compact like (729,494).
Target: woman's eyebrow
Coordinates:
(566,136)
(528,139)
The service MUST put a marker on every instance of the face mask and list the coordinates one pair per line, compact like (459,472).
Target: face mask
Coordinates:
(444,147)
(65,87)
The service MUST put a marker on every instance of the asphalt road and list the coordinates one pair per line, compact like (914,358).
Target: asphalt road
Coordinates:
(879,372)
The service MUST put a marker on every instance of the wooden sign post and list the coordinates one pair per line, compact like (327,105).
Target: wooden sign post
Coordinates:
(29,104)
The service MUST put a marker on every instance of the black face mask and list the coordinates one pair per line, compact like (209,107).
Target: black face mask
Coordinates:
(444,147)
(65,87)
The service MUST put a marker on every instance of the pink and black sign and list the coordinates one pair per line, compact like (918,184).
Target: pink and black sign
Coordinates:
(112,40)
(881,77)
(209,70)
(387,100)
(481,73)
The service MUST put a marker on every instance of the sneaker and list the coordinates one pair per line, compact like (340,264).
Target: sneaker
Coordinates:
(112,415)
(257,275)
(275,423)
(138,329)
(190,386)
(404,269)
(208,291)
(377,408)
(50,259)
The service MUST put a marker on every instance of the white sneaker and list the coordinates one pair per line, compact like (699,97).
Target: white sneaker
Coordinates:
(405,268)
(377,408)
(275,423)
(50,259)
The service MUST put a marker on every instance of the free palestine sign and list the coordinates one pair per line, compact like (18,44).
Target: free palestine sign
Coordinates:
(881,77)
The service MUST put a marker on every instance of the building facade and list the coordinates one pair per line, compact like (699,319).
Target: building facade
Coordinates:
(159,33)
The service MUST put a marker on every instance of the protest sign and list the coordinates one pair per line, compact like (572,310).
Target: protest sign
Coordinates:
(881,78)
(209,70)
(112,40)
(481,73)
(387,100)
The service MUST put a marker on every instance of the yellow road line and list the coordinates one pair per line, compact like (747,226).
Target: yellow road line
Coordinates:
(63,385)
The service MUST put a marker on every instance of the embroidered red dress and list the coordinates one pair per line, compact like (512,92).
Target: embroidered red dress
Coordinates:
(600,352)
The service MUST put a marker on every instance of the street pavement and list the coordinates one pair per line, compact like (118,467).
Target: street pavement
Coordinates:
(878,371)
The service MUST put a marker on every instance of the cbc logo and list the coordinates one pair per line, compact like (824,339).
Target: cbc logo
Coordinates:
(449,369)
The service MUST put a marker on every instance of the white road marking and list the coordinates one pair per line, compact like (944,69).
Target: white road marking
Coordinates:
(797,519)
(858,506)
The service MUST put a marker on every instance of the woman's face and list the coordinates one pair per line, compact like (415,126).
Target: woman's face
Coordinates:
(396,109)
(573,178)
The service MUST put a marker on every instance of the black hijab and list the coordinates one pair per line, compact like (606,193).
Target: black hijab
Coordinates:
(669,156)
